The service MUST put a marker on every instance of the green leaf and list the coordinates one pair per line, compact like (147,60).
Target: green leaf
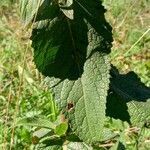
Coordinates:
(118,146)
(66,8)
(77,146)
(50,143)
(36,121)
(65,3)
(74,54)
(87,96)
(61,46)
(41,133)
(108,135)
(61,129)
(129,99)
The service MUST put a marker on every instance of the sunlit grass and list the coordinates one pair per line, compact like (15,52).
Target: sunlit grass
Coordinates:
(131,30)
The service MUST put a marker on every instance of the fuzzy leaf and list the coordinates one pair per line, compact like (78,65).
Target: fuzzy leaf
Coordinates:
(41,133)
(129,99)
(65,3)
(74,54)
(77,146)
(44,147)
(50,143)
(108,134)
(87,96)
(61,46)
(66,7)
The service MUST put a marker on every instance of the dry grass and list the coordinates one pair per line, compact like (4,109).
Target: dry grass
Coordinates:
(131,28)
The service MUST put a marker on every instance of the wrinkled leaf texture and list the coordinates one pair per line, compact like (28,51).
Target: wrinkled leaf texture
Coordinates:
(129,98)
(77,146)
(73,54)
(66,8)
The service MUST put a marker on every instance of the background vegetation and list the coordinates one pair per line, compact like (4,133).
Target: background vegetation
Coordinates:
(22,91)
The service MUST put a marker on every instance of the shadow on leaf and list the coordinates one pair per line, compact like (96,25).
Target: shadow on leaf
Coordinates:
(129,98)
(61,45)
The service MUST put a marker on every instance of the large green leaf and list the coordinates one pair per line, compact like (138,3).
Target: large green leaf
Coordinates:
(84,99)
(61,46)
(129,99)
(74,54)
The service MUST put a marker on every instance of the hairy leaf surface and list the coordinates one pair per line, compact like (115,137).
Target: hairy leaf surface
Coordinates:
(73,53)
(36,10)
(77,146)
(44,147)
(63,45)
(66,8)
(129,99)
(84,99)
